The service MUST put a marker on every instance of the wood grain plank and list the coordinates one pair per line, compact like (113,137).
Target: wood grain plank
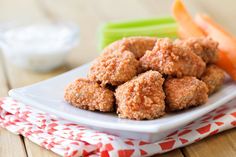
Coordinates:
(174,153)
(11,145)
(6,138)
(219,145)
(20,12)
(3,80)
(33,148)
(20,77)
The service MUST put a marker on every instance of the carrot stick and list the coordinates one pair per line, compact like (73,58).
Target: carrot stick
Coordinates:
(227,65)
(182,33)
(188,28)
(185,21)
(227,42)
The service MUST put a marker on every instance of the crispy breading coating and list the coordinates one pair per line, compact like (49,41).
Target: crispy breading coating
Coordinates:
(213,77)
(89,95)
(114,68)
(173,59)
(142,97)
(206,48)
(137,45)
(182,93)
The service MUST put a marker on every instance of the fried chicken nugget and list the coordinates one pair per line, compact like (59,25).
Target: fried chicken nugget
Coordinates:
(142,97)
(114,68)
(182,93)
(137,45)
(206,48)
(173,59)
(89,95)
(213,77)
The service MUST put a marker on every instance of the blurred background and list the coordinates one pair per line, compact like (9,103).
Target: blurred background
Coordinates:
(88,15)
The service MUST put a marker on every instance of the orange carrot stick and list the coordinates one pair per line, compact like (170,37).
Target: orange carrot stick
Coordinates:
(188,28)
(185,21)
(227,42)
(182,33)
(227,65)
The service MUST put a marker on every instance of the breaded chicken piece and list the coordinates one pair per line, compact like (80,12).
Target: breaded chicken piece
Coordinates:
(173,59)
(142,97)
(89,95)
(182,93)
(114,68)
(206,48)
(213,77)
(137,45)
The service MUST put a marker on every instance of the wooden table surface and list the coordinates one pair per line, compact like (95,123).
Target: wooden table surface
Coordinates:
(89,15)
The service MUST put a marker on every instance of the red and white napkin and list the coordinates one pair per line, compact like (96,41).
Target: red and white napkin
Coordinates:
(68,139)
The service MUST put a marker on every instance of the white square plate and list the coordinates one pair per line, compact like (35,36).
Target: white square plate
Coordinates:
(48,96)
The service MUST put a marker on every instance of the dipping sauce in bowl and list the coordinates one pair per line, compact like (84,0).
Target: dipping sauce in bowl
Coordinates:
(39,47)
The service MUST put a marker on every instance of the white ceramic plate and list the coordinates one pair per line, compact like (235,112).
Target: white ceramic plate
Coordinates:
(48,96)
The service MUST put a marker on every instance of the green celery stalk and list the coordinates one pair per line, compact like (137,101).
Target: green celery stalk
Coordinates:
(110,35)
(140,23)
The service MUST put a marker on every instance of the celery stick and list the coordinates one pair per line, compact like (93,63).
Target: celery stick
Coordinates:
(150,30)
(164,30)
(140,22)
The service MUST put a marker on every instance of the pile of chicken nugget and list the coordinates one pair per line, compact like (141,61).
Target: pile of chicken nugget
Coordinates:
(143,78)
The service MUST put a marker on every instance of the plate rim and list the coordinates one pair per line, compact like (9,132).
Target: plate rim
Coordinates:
(123,126)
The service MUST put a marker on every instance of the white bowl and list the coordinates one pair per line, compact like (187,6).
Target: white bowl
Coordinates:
(48,96)
(39,47)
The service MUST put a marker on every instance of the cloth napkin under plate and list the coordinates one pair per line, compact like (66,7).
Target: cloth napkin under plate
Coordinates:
(68,139)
